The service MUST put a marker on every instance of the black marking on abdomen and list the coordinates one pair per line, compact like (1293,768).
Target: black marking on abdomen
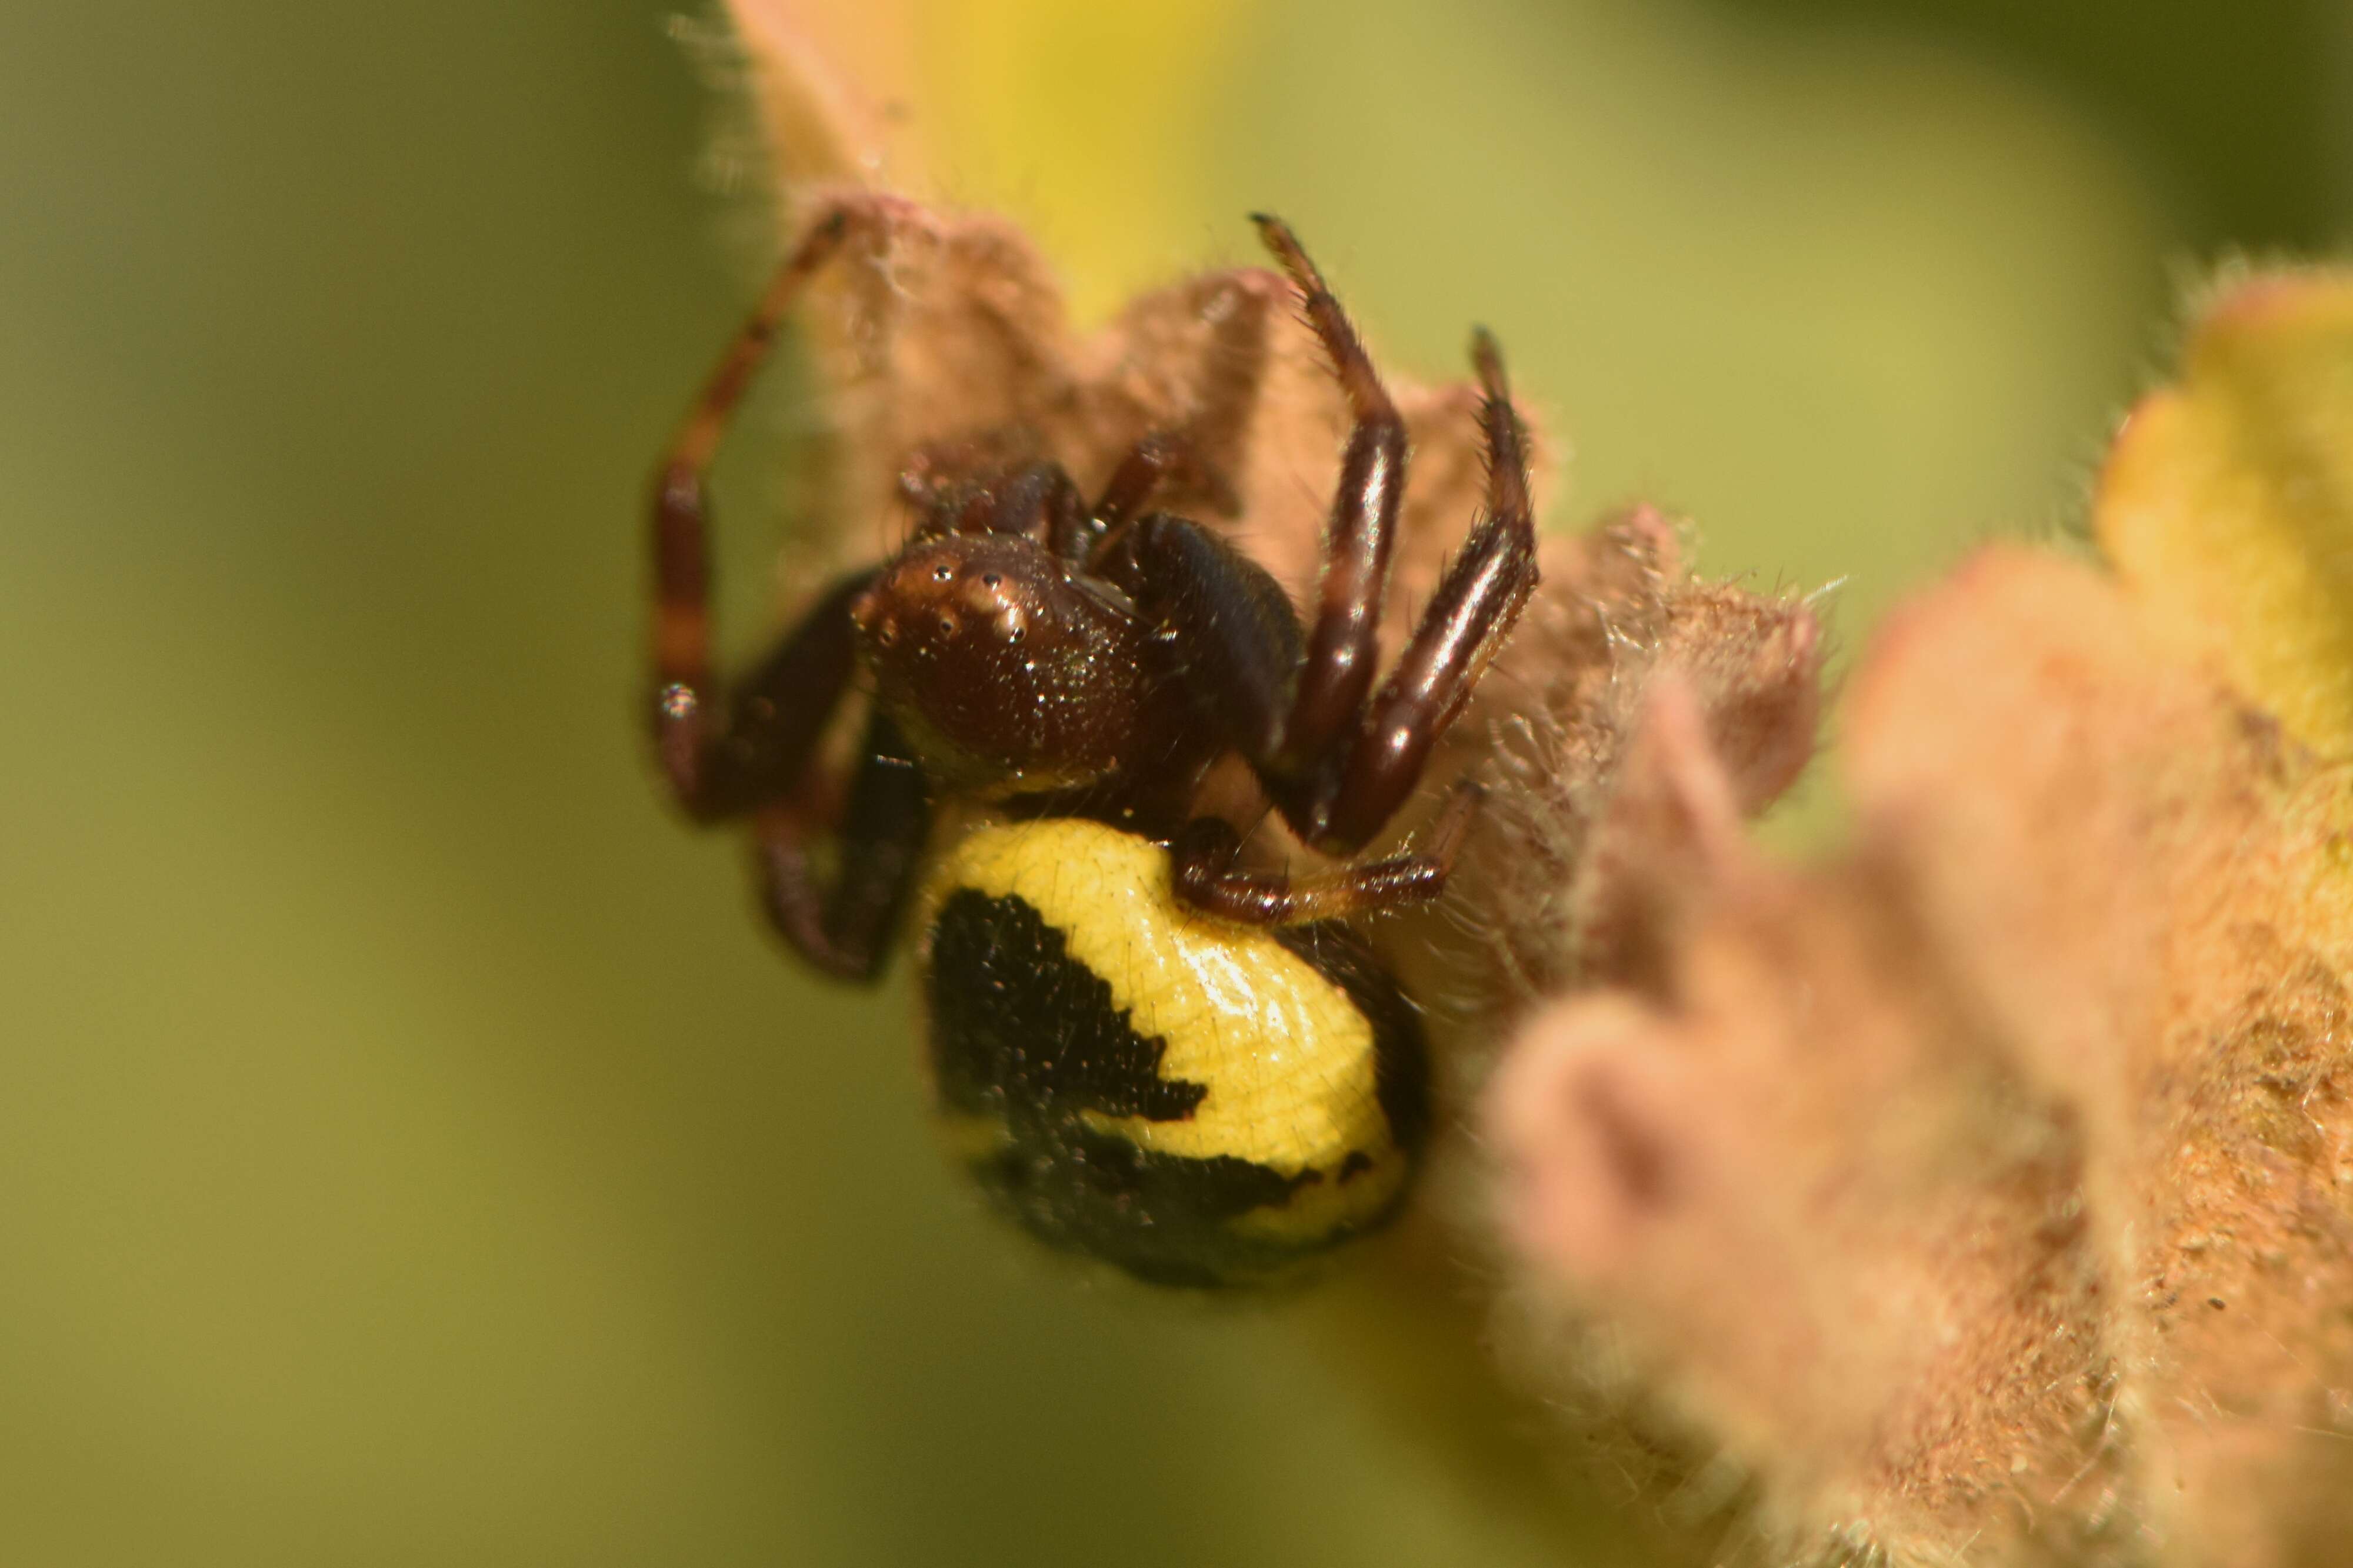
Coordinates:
(1025,1035)
(1020,1028)
(1161,1217)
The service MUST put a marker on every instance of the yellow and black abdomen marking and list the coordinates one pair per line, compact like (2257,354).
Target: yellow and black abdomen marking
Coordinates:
(1197,1101)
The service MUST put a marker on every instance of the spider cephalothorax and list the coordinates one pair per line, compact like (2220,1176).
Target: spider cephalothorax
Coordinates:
(1143,1049)
(1014,673)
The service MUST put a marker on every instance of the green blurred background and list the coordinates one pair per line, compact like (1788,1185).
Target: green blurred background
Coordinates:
(410,1150)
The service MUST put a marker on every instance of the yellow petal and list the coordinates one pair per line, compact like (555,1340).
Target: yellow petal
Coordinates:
(2227,503)
(832,84)
(1085,122)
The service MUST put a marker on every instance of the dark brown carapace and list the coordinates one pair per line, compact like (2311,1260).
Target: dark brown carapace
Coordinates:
(1010,672)
(1057,655)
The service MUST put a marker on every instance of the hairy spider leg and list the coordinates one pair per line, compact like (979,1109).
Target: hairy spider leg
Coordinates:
(1161,456)
(845,928)
(1460,631)
(763,759)
(1344,640)
(1203,864)
(1294,703)
(684,685)
(1037,501)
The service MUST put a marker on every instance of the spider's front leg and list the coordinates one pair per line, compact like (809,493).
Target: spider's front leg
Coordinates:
(761,759)
(1295,705)
(1328,689)
(1461,629)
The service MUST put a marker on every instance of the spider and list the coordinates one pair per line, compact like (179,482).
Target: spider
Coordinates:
(1143,1050)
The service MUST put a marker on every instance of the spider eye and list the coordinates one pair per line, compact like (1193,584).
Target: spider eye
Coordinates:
(943,572)
(990,579)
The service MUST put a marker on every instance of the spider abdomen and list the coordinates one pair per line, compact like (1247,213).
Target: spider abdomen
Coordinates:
(1195,1101)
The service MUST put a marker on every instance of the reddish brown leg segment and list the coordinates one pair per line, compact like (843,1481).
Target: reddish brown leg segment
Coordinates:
(1123,495)
(1342,639)
(845,929)
(763,757)
(1159,456)
(1337,759)
(684,688)
(1460,633)
(1204,855)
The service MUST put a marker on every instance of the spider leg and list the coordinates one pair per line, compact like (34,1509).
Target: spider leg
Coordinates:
(1161,456)
(1036,501)
(846,929)
(1460,633)
(1343,641)
(1239,647)
(1336,764)
(775,716)
(1291,702)
(1238,639)
(684,687)
(1123,495)
(763,757)
(1203,862)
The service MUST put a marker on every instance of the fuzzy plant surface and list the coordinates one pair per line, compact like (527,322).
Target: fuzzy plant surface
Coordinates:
(1984,1192)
